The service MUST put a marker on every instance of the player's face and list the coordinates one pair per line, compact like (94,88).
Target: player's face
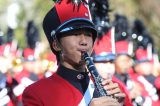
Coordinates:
(123,63)
(73,44)
(144,68)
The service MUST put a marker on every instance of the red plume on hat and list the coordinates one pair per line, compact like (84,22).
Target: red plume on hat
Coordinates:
(104,47)
(67,15)
(76,2)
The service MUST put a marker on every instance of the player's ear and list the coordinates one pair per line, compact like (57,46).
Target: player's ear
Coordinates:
(56,46)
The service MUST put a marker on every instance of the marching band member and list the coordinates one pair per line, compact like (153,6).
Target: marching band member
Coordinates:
(70,33)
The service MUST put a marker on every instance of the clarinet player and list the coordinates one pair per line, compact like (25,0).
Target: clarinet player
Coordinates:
(70,32)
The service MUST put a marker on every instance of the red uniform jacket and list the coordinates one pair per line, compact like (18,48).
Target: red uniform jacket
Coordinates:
(50,92)
(61,89)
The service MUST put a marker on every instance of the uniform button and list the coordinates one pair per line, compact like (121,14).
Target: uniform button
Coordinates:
(80,76)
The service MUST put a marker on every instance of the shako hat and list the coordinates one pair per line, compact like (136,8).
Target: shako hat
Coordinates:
(104,49)
(66,16)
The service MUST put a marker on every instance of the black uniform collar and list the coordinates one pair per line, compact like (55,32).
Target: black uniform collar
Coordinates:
(70,74)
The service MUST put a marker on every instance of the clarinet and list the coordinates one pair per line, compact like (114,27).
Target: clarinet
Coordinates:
(97,78)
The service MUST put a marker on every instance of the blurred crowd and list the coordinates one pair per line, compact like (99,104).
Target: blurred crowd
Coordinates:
(127,47)
(22,67)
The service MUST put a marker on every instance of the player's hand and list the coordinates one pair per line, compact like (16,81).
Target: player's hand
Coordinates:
(104,101)
(114,90)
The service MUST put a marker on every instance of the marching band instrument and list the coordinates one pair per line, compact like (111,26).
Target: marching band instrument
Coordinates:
(97,78)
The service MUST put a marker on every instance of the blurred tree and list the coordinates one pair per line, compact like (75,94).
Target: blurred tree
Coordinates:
(31,10)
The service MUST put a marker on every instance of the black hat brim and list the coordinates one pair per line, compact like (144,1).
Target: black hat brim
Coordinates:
(104,58)
(74,24)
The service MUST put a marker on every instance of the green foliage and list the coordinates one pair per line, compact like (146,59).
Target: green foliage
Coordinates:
(3,3)
(36,13)
(20,36)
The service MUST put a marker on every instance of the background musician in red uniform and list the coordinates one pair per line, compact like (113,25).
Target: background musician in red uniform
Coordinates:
(104,62)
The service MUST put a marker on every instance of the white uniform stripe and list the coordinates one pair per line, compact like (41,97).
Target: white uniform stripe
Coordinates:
(88,95)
